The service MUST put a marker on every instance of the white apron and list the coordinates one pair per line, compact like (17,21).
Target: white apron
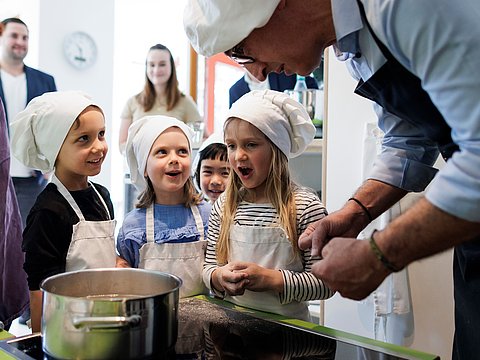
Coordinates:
(93,242)
(268,247)
(184,260)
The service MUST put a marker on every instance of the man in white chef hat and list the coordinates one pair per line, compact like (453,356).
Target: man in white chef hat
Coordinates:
(419,66)
(71,225)
(252,256)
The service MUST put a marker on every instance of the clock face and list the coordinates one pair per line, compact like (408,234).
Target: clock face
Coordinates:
(80,50)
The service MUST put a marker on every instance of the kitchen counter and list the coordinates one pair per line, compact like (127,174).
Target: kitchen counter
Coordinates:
(214,329)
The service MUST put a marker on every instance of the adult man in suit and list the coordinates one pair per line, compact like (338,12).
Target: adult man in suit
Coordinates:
(18,85)
(279,82)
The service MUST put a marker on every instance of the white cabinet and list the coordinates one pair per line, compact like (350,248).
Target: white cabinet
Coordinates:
(306,169)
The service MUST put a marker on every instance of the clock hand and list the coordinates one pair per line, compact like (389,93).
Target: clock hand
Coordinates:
(80,57)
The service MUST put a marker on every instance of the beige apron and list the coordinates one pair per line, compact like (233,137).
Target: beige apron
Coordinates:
(268,247)
(184,260)
(93,242)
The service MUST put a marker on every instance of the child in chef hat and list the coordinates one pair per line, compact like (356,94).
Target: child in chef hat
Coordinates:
(166,231)
(71,226)
(210,167)
(252,256)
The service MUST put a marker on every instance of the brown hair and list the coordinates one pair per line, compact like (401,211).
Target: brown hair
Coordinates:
(148,95)
(6,21)
(76,123)
(280,192)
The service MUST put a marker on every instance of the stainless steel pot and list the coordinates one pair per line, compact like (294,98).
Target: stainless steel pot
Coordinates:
(109,314)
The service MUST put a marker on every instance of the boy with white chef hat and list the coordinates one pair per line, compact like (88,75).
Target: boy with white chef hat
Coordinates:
(71,225)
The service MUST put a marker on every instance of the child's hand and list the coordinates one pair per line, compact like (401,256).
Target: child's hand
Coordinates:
(231,279)
(262,279)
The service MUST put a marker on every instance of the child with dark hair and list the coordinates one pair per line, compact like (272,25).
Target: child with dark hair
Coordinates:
(211,168)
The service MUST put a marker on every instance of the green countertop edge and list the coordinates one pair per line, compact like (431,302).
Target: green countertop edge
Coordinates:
(3,336)
(390,349)
(332,333)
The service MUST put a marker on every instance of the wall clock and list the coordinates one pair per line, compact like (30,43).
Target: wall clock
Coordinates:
(80,49)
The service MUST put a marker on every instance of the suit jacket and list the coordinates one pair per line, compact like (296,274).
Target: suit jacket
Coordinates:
(279,82)
(38,83)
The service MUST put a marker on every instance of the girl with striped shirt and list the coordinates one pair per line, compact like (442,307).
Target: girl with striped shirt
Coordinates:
(252,256)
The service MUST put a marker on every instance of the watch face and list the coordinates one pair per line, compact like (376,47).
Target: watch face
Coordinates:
(80,50)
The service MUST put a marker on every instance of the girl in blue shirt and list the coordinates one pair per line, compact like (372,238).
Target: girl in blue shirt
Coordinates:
(166,231)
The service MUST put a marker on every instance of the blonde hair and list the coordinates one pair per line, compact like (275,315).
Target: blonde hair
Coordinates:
(280,192)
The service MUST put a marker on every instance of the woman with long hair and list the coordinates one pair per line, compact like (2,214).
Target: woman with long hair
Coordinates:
(160,94)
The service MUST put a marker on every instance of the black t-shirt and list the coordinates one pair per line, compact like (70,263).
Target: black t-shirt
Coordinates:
(49,228)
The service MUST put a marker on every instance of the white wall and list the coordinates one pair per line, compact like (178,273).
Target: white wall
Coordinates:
(430,279)
(57,18)
(123,31)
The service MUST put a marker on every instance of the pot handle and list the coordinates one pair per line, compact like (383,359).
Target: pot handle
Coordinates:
(105,322)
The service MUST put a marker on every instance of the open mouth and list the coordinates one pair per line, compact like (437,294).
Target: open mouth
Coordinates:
(215,191)
(173,173)
(245,171)
(95,161)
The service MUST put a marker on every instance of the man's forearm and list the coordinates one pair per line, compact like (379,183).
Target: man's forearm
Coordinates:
(422,231)
(377,196)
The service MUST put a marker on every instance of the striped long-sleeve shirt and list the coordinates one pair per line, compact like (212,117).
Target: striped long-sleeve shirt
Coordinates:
(298,286)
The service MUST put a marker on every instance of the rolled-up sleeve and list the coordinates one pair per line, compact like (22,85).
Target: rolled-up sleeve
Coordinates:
(439,46)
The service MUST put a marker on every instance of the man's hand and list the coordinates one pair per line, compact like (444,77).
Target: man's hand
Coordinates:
(344,222)
(350,267)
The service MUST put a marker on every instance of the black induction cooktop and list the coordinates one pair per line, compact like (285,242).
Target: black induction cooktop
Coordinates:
(209,330)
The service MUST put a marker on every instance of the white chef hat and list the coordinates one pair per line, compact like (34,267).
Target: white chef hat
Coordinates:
(38,132)
(215,26)
(215,138)
(141,136)
(283,120)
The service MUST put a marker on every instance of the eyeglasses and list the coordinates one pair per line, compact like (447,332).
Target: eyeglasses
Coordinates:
(237,54)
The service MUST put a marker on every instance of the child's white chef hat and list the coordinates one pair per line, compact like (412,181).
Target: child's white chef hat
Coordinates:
(215,26)
(141,136)
(38,132)
(283,120)
(215,138)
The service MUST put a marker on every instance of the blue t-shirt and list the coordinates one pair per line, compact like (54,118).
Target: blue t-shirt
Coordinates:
(172,223)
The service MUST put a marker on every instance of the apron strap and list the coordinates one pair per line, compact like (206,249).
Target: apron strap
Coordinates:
(103,201)
(198,221)
(66,194)
(150,225)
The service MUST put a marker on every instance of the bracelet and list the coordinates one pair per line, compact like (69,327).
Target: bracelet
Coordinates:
(379,255)
(364,208)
